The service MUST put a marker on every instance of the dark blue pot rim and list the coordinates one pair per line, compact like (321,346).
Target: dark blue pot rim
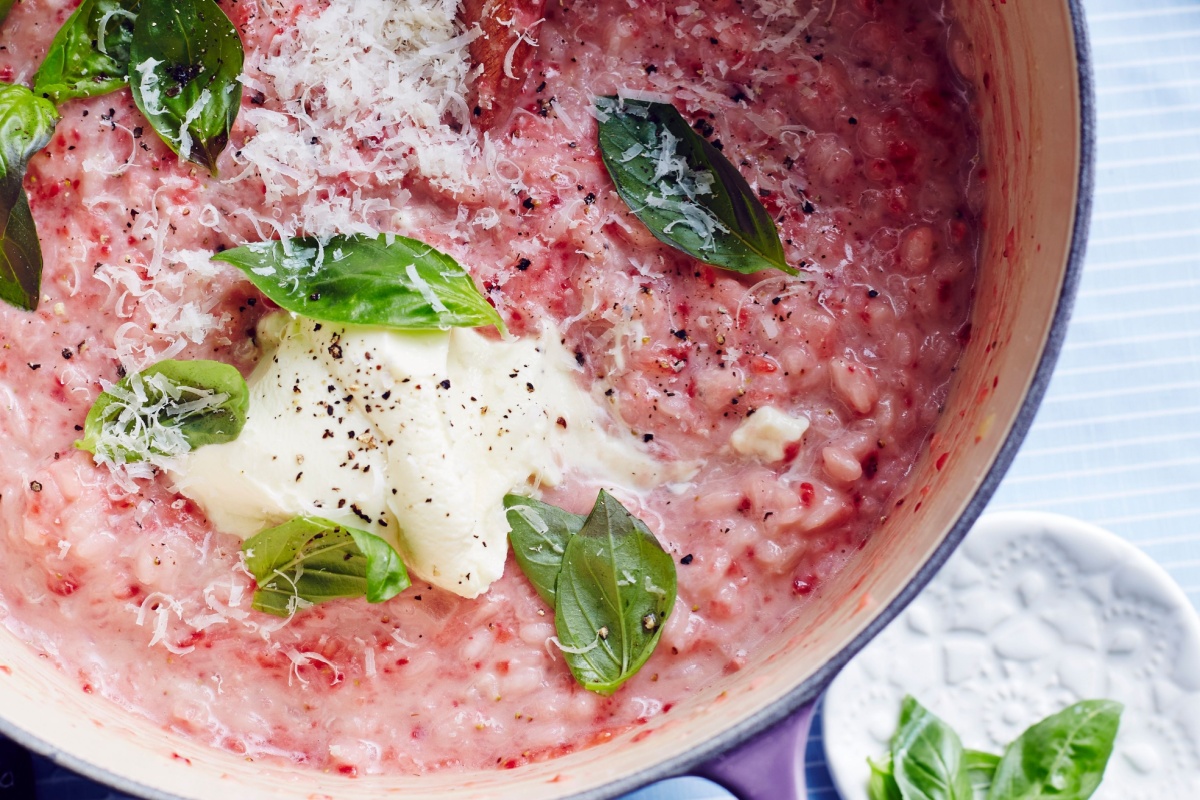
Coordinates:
(812,687)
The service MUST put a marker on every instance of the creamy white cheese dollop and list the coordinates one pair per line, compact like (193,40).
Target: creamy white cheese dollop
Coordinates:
(415,437)
(766,434)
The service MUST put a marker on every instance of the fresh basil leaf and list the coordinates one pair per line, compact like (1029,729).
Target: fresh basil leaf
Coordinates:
(614,594)
(90,53)
(390,281)
(184,63)
(20,256)
(539,535)
(166,410)
(685,190)
(5,7)
(26,124)
(927,757)
(882,783)
(312,560)
(981,768)
(1063,756)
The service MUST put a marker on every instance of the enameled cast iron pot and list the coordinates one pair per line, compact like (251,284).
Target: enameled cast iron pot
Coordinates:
(1034,88)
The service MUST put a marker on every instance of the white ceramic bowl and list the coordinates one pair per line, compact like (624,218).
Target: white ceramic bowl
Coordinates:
(1033,613)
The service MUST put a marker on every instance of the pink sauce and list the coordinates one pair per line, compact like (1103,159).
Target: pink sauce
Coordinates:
(858,138)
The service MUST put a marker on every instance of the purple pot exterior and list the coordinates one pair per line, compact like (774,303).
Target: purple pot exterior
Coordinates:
(768,767)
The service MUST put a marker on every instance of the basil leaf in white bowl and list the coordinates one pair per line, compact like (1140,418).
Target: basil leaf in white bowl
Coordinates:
(90,53)
(310,560)
(26,124)
(1063,756)
(388,281)
(166,410)
(684,189)
(981,768)
(927,757)
(184,63)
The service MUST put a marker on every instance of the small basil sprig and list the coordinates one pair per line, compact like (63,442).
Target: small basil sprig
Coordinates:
(166,410)
(26,124)
(311,560)
(685,190)
(390,281)
(614,589)
(1063,756)
(90,53)
(539,534)
(185,60)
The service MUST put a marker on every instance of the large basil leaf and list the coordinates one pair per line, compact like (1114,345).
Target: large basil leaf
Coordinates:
(981,768)
(26,125)
(185,61)
(684,189)
(1063,756)
(20,255)
(387,280)
(312,560)
(90,53)
(539,535)
(614,594)
(166,410)
(927,757)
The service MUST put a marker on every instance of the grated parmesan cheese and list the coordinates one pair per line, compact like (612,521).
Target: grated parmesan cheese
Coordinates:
(300,659)
(142,424)
(148,85)
(680,186)
(774,9)
(368,93)
(185,137)
(161,319)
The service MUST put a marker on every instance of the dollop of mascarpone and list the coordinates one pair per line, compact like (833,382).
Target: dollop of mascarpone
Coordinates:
(766,434)
(415,437)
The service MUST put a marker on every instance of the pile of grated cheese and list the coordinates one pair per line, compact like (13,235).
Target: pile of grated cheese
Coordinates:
(681,193)
(362,92)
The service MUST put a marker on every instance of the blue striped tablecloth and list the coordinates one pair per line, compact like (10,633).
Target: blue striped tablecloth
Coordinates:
(1117,441)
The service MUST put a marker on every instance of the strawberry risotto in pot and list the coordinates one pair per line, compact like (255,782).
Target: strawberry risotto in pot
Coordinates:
(402,386)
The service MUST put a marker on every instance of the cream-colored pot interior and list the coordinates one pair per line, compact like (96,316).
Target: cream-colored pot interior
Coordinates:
(1027,78)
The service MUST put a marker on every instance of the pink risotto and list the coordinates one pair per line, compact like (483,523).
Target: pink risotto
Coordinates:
(847,119)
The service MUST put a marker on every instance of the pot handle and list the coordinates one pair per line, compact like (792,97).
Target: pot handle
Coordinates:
(768,767)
